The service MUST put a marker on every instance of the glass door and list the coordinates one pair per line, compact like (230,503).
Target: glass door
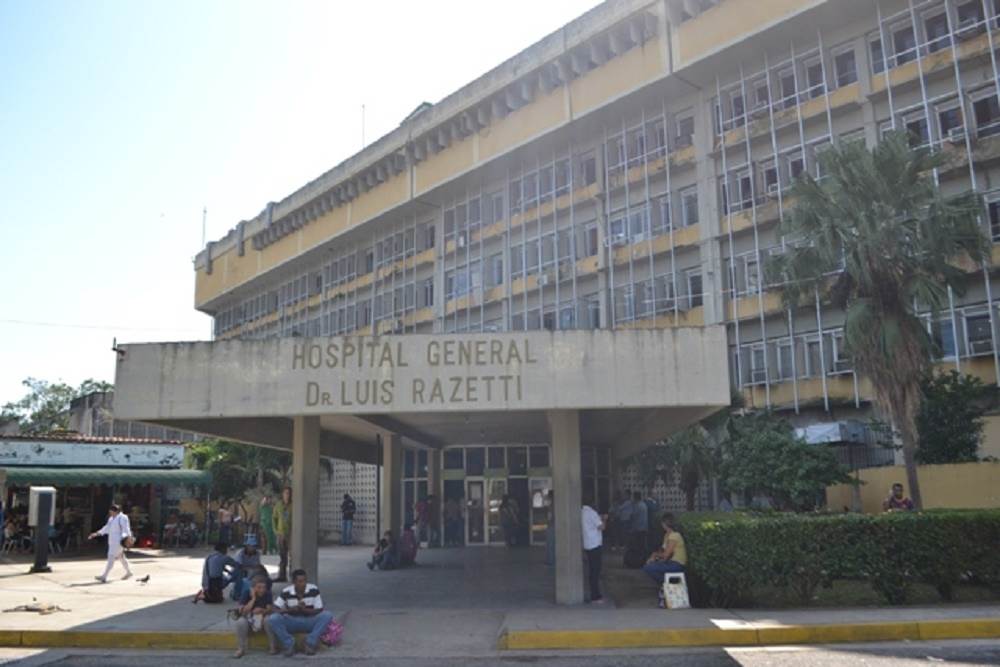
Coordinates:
(474,512)
(540,511)
(498,489)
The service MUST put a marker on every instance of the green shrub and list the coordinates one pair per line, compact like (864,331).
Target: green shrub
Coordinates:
(731,554)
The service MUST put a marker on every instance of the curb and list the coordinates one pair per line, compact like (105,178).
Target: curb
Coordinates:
(974,628)
(125,640)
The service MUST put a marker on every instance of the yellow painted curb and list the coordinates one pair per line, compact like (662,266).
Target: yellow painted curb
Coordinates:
(10,637)
(765,636)
(970,628)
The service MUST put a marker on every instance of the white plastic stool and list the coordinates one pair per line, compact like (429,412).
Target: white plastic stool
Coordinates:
(675,591)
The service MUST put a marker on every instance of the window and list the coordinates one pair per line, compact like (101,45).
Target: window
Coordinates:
(758,364)
(769,171)
(994,209)
(796,164)
(814,360)
(588,169)
(877,57)
(814,77)
(853,136)
(538,457)
(494,207)
(943,338)
(987,113)
(496,269)
(785,360)
(841,362)
(453,459)
(903,43)
(475,461)
(427,292)
(950,124)
(685,131)
(737,108)
(689,206)
(916,127)
(590,239)
(786,80)
(752,276)
(978,335)
(970,17)
(760,94)
(936,28)
(845,68)
(593,310)
(695,290)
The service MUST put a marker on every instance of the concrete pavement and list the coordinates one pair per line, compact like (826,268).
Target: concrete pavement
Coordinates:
(457,603)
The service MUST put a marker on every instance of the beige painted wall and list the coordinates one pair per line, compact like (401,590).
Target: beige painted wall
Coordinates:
(957,485)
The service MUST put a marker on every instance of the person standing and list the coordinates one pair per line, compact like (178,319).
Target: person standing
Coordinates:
(268,541)
(593,540)
(550,530)
(347,510)
(640,528)
(282,521)
(118,529)
(225,525)
(508,520)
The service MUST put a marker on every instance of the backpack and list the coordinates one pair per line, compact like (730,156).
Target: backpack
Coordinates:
(332,634)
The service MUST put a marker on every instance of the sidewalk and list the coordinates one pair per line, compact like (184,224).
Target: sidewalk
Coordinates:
(468,602)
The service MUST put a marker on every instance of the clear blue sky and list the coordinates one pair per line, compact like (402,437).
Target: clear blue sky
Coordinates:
(119,121)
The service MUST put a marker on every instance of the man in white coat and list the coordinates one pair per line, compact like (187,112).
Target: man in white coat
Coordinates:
(117,529)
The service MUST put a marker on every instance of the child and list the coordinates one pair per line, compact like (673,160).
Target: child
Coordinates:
(386,554)
(255,605)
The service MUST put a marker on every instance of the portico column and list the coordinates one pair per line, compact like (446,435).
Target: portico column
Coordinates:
(392,484)
(564,431)
(305,495)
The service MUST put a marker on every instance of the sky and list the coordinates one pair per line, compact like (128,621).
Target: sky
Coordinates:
(121,121)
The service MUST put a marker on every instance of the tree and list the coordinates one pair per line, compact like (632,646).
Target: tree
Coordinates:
(762,456)
(687,456)
(45,407)
(950,424)
(879,237)
(237,468)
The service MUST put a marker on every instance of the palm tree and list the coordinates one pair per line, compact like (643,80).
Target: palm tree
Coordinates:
(877,238)
(687,457)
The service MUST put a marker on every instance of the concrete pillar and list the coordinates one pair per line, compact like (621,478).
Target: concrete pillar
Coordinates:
(304,546)
(392,484)
(564,431)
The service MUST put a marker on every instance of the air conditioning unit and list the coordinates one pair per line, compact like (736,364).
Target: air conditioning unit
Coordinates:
(614,241)
(956,135)
(682,141)
(758,376)
(461,240)
(637,238)
(543,280)
(773,189)
(984,346)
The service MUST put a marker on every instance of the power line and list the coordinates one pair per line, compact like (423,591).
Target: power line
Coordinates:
(106,327)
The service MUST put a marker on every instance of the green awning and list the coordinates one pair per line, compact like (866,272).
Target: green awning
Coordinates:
(85,476)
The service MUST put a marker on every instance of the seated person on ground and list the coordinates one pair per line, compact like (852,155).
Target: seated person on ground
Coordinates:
(248,559)
(670,557)
(408,546)
(386,554)
(299,608)
(214,575)
(255,605)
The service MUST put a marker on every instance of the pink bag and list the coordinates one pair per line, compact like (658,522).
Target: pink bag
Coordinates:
(331,636)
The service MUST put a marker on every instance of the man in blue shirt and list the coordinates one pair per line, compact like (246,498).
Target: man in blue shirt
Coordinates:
(640,523)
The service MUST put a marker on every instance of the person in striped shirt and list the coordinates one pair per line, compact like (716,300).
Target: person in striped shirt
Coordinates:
(298,608)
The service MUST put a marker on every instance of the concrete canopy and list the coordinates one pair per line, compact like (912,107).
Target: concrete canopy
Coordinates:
(631,387)
(334,396)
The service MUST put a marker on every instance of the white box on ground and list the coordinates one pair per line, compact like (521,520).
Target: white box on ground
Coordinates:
(42,506)
(675,591)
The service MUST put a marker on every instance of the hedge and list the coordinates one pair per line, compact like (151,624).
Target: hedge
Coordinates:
(731,554)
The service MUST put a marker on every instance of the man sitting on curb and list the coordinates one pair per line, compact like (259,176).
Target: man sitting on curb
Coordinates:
(298,608)
(671,557)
